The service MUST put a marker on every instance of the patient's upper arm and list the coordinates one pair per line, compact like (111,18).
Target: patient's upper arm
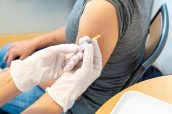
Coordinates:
(98,16)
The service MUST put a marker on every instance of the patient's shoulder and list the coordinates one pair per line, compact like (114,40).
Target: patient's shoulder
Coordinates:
(98,16)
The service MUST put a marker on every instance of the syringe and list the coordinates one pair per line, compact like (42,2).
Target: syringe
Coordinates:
(73,62)
(94,38)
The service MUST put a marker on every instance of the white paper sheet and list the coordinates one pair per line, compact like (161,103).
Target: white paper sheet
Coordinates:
(138,103)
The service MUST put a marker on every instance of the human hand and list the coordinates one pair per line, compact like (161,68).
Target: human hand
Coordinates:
(43,65)
(72,84)
(19,50)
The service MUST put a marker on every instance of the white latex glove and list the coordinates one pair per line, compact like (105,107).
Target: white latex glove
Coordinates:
(72,59)
(44,65)
(74,83)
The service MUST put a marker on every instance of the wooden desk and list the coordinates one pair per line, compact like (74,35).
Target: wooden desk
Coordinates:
(160,88)
(6,38)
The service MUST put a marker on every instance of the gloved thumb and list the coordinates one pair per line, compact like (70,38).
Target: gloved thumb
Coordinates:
(88,57)
(97,56)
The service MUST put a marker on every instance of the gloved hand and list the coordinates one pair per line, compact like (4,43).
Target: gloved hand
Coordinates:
(72,84)
(44,65)
(72,58)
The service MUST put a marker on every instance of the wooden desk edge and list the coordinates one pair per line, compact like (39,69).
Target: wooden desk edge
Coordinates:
(7,38)
(156,85)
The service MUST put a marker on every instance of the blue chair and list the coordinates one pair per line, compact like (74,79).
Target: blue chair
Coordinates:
(157,36)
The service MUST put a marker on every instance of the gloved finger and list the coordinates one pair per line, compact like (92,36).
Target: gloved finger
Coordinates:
(69,56)
(68,59)
(66,48)
(73,62)
(84,39)
(58,70)
(69,66)
(80,55)
(88,57)
(97,55)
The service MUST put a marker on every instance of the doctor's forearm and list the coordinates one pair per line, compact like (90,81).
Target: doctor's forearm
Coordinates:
(44,105)
(8,89)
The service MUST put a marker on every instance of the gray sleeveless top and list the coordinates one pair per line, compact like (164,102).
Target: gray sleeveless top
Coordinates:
(134,20)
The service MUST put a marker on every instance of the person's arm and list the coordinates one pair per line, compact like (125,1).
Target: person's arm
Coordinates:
(8,90)
(45,105)
(98,16)
(23,49)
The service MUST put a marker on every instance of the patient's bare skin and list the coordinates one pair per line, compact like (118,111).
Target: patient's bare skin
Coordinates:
(8,89)
(103,18)
(44,85)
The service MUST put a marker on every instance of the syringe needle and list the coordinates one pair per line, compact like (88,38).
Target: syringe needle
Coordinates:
(99,35)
